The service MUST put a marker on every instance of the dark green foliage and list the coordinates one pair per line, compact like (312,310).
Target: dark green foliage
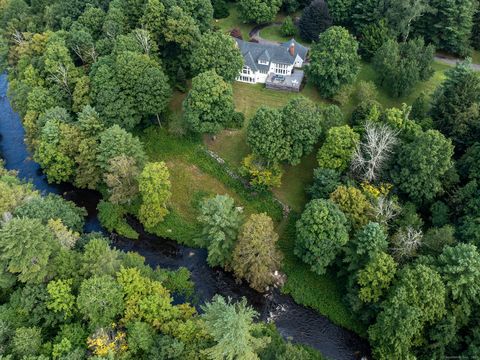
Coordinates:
(334,61)
(372,38)
(112,217)
(219,52)
(287,134)
(341,11)
(129,88)
(208,107)
(417,299)
(220,9)
(325,181)
(315,20)
(288,28)
(401,66)
(455,106)
(321,233)
(259,11)
(435,239)
(449,26)
(439,214)
(114,142)
(53,207)
(421,164)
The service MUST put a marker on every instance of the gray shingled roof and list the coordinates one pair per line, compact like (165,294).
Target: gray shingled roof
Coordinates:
(279,54)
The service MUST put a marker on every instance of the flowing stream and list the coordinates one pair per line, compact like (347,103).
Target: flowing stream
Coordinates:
(295,322)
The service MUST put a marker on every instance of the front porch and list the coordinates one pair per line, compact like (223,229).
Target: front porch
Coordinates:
(291,82)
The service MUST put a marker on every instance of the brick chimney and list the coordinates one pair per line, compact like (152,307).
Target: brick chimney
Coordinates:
(291,49)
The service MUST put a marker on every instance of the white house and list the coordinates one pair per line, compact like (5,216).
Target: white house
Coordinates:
(263,61)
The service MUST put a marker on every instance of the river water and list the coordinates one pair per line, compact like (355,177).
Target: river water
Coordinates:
(296,323)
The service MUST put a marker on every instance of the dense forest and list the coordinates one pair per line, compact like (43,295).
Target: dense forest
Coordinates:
(123,96)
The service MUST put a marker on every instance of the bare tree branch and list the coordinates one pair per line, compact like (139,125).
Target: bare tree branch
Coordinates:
(374,151)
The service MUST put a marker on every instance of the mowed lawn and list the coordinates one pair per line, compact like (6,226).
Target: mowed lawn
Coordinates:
(231,144)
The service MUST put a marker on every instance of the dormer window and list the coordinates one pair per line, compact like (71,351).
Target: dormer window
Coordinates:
(263,62)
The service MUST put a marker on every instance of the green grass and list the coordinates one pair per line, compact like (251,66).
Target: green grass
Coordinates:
(234,21)
(231,145)
(194,174)
(323,293)
(273,33)
(476,57)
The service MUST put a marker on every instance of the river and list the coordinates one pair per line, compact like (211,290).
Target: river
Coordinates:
(294,322)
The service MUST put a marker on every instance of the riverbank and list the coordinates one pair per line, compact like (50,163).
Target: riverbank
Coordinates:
(295,322)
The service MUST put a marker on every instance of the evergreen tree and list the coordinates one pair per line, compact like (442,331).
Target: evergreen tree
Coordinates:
(315,20)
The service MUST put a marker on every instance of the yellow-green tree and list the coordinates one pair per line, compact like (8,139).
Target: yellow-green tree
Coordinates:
(255,257)
(154,185)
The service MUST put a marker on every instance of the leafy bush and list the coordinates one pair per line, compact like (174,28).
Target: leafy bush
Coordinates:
(111,217)
(261,175)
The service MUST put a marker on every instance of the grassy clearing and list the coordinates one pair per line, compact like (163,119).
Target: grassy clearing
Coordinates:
(231,145)
(195,175)
(323,293)
(273,33)
(234,21)
(476,57)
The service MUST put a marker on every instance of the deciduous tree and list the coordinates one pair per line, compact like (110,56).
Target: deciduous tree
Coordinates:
(259,11)
(255,257)
(208,107)
(334,61)
(220,221)
(219,52)
(338,149)
(321,233)
(154,186)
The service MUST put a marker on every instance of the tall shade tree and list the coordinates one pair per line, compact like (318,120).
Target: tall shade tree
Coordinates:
(338,149)
(401,15)
(321,232)
(154,186)
(459,267)
(220,221)
(417,299)
(266,136)
(129,88)
(315,19)
(401,66)
(232,328)
(302,123)
(255,257)
(114,142)
(100,300)
(219,52)
(334,61)
(421,164)
(341,11)
(259,11)
(353,203)
(449,25)
(208,107)
(455,106)
(375,278)
(121,179)
(26,247)
(367,242)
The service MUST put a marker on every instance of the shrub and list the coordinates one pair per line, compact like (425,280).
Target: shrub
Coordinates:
(261,175)
(288,27)
(111,217)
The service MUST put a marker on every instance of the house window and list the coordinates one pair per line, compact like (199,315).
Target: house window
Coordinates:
(263,62)
(281,69)
(246,79)
(246,70)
